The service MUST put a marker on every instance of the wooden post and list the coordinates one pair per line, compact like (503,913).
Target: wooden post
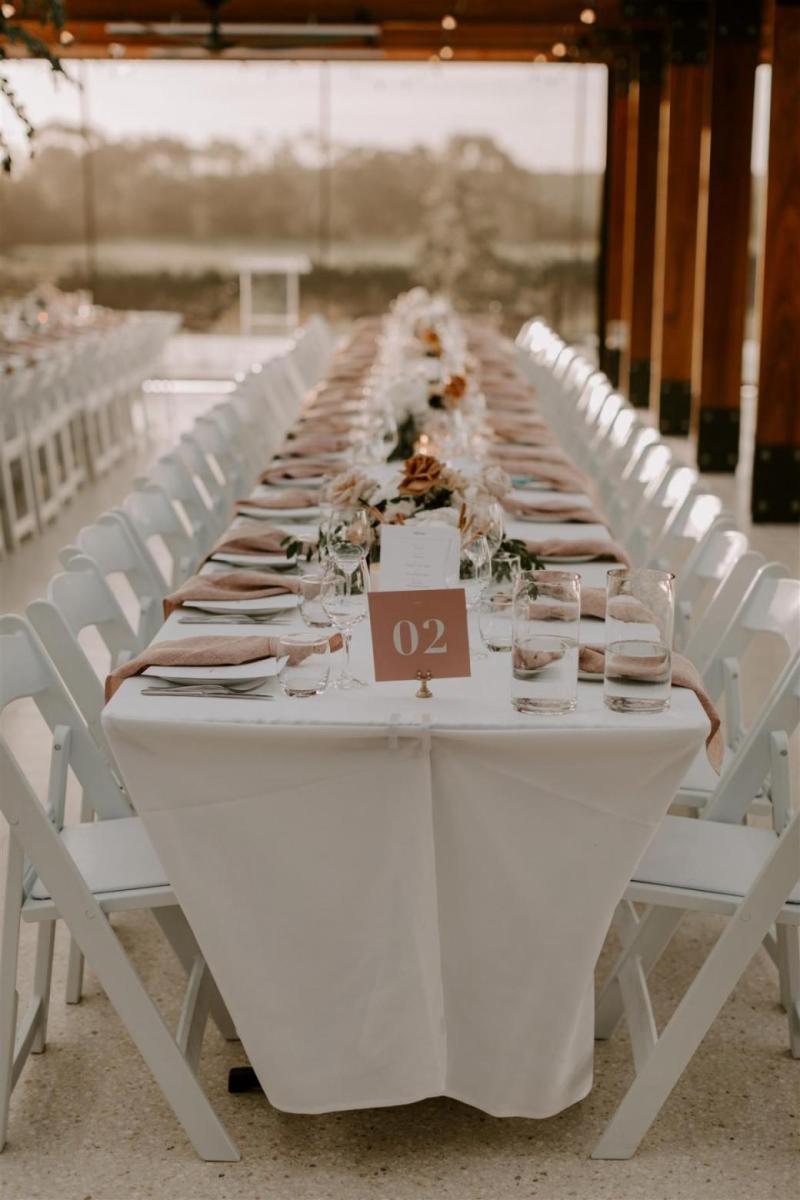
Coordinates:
(682,107)
(640,217)
(612,334)
(776,462)
(721,302)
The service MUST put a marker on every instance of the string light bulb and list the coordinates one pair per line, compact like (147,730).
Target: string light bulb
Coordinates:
(116,50)
(7,10)
(588,16)
(66,38)
(540,58)
(449,22)
(446,52)
(559,50)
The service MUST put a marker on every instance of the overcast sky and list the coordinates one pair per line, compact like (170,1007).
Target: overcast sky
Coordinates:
(531,110)
(549,117)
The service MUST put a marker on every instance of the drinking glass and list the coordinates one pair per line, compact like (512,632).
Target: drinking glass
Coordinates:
(344,599)
(308,664)
(495,615)
(311,609)
(494,526)
(640,615)
(544,645)
(506,568)
(476,570)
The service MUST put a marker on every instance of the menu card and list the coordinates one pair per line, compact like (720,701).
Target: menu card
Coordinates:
(417,556)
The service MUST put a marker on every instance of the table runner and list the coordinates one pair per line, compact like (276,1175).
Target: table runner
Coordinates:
(401,900)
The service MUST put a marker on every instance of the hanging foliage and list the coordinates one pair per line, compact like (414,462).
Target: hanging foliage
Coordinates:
(15,36)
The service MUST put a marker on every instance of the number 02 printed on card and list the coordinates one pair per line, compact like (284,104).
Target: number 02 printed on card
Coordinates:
(419,631)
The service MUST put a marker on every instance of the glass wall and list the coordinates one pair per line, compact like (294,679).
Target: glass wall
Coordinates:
(150,183)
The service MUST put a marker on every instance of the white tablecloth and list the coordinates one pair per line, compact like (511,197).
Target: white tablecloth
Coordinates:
(403,898)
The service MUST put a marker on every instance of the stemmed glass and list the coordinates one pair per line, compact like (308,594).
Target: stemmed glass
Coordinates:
(349,538)
(494,526)
(344,599)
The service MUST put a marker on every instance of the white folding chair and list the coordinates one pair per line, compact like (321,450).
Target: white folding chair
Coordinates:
(709,563)
(78,601)
(172,547)
(80,874)
(171,473)
(750,875)
(208,479)
(112,545)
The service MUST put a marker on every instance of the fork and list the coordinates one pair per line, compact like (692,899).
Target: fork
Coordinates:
(219,691)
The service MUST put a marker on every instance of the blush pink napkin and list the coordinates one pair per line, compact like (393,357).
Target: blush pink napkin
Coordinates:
(231,585)
(601,549)
(558,477)
(568,514)
(257,537)
(309,447)
(215,651)
(592,660)
(290,498)
(299,470)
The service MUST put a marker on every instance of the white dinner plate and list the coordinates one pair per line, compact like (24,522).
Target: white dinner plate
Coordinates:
(266,604)
(590,676)
(278,514)
(261,668)
(279,562)
(524,483)
(538,519)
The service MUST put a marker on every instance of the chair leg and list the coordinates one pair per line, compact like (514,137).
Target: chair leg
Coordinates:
(74,988)
(702,1002)
(42,977)
(159,1049)
(788,955)
(178,933)
(9,958)
(649,943)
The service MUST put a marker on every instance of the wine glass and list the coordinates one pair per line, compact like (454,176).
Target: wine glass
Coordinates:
(344,599)
(349,538)
(494,526)
(476,572)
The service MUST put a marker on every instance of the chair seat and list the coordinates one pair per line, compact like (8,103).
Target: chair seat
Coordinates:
(707,856)
(112,856)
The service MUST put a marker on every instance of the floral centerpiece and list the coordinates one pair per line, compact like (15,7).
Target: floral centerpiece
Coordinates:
(425,491)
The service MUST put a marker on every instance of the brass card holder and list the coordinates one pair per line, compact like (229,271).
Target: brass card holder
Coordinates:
(423,691)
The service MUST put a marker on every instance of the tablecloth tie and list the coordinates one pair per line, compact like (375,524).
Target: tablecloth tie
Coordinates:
(231,585)
(214,650)
(592,660)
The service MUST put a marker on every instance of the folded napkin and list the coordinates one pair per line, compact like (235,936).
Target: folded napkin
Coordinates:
(231,585)
(593,604)
(291,471)
(255,537)
(559,477)
(512,453)
(568,514)
(601,549)
(592,660)
(308,447)
(214,651)
(291,498)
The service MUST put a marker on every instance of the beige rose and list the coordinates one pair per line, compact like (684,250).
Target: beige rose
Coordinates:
(422,472)
(496,482)
(351,487)
(454,391)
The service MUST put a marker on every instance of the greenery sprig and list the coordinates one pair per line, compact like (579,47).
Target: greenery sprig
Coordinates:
(13,34)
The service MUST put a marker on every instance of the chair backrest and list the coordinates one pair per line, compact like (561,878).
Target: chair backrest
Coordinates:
(208,480)
(727,598)
(80,599)
(28,673)
(771,606)
(172,547)
(115,549)
(689,522)
(171,473)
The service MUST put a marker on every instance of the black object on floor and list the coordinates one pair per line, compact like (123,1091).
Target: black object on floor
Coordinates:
(243,1079)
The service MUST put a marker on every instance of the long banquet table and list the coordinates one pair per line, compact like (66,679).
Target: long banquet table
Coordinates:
(402,899)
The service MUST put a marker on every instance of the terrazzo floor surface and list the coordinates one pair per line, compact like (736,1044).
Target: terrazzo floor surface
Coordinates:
(89,1123)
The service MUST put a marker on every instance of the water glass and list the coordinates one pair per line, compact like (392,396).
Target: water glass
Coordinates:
(544,646)
(506,568)
(311,609)
(495,616)
(308,664)
(640,615)
(344,599)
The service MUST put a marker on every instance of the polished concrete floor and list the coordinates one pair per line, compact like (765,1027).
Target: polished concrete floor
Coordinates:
(87,1120)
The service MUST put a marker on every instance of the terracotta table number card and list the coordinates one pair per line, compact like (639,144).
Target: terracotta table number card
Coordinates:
(419,634)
